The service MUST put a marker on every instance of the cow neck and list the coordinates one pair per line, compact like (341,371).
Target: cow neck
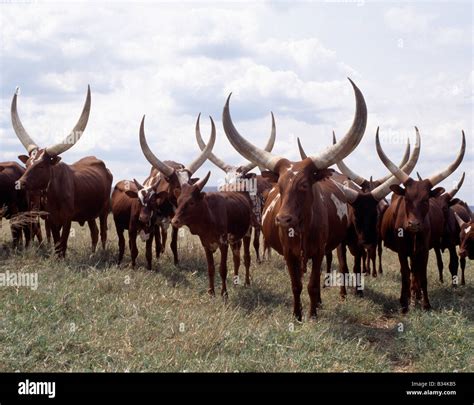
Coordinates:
(203,223)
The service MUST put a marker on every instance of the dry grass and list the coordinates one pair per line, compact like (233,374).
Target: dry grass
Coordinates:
(90,315)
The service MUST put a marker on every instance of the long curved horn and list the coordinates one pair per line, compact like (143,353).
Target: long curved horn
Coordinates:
(20,131)
(403,173)
(154,161)
(351,195)
(325,159)
(212,157)
(453,192)
(440,176)
(77,131)
(302,152)
(350,140)
(197,163)
(202,182)
(404,160)
(245,148)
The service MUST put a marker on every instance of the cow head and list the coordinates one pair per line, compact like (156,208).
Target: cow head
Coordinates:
(417,193)
(176,175)
(466,236)
(190,203)
(40,161)
(238,178)
(295,180)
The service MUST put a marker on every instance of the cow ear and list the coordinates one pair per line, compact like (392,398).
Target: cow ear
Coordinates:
(55,160)
(397,189)
(249,175)
(193,180)
(272,177)
(436,192)
(454,201)
(322,174)
(131,193)
(23,158)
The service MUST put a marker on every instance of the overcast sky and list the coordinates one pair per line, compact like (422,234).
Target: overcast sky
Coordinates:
(413,63)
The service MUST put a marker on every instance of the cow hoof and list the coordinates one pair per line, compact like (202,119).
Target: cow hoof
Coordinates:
(359,293)
(427,307)
(374,274)
(212,293)
(404,310)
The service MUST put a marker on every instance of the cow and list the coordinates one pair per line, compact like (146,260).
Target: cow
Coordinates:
(413,224)
(219,219)
(79,192)
(145,210)
(366,204)
(466,236)
(173,176)
(450,238)
(13,200)
(305,213)
(363,208)
(239,178)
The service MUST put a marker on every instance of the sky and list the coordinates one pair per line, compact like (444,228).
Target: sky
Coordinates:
(172,61)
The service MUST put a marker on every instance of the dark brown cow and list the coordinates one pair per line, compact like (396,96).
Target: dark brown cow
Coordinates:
(238,178)
(173,176)
(219,219)
(13,200)
(466,235)
(79,192)
(450,237)
(145,210)
(413,224)
(305,213)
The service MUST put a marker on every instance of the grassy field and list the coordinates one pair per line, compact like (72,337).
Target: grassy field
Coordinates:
(87,314)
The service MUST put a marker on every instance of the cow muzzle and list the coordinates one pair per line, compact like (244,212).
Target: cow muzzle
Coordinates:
(285,221)
(413,226)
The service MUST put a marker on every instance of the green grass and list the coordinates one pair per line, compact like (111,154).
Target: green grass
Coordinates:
(88,314)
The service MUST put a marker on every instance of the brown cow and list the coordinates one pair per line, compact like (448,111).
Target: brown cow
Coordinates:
(305,214)
(13,200)
(238,178)
(145,210)
(413,224)
(79,192)
(466,236)
(219,219)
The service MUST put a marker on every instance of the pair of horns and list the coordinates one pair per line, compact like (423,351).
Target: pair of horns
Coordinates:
(59,148)
(436,178)
(322,160)
(226,167)
(168,170)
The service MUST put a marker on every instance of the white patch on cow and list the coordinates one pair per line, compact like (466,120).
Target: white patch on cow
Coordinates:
(270,207)
(468,229)
(144,236)
(289,168)
(341,207)
(143,193)
(183,176)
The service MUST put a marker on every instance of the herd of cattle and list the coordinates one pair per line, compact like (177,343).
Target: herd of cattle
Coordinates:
(304,208)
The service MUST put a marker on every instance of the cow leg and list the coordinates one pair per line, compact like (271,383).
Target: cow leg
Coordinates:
(256,243)
(103,228)
(247,258)
(358,257)
(174,245)
(342,258)
(16,235)
(421,271)
(121,243)
(462,260)
(164,237)
(148,251)
(453,265)
(379,249)
(47,230)
(56,234)
(294,269)
(314,285)
(94,233)
(328,261)
(159,244)
(235,246)
(405,272)
(211,270)
(132,241)
(224,248)
(365,262)
(27,231)
(439,262)
(64,237)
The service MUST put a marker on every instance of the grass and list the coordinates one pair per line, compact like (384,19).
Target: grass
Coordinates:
(88,314)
